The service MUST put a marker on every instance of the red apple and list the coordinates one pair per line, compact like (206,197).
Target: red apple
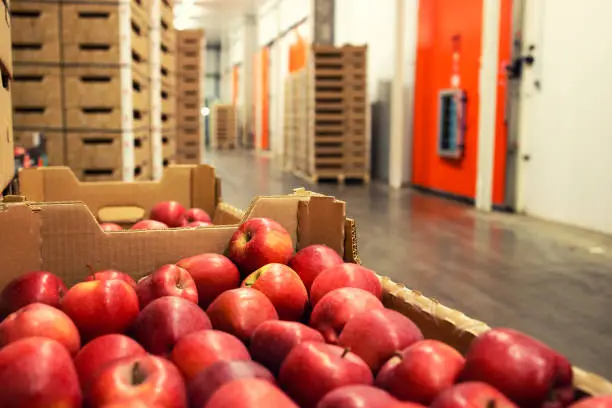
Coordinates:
(421,372)
(208,381)
(258,242)
(32,287)
(151,379)
(171,213)
(313,369)
(149,225)
(165,320)
(197,214)
(346,275)
(213,274)
(522,368)
(111,274)
(132,403)
(472,395)
(283,287)
(197,351)
(37,372)
(593,402)
(99,352)
(101,307)
(310,261)
(168,280)
(109,226)
(240,311)
(357,396)
(273,340)
(249,393)
(40,320)
(375,335)
(197,224)
(337,307)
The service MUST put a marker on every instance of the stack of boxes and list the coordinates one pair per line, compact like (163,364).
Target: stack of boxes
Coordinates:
(6,124)
(76,66)
(189,137)
(224,126)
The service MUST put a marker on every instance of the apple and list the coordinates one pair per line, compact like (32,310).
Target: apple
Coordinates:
(38,372)
(522,368)
(240,311)
(171,213)
(149,225)
(99,352)
(421,372)
(283,287)
(249,393)
(312,369)
(40,320)
(472,395)
(258,242)
(165,320)
(272,341)
(168,280)
(101,307)
(110,226)
(213,274)
(375,335)
(132,403)
(32,287)
(346,275)
(336,308)
(357,396)
(204,385)
(197,214)
(594,402)
(310,261)
(196,351)
(197,224)
(111,274)
(151,379)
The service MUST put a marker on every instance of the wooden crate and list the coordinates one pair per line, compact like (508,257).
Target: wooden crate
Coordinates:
(224,126)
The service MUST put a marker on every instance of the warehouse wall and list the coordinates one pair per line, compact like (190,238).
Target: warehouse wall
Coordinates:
(566,126)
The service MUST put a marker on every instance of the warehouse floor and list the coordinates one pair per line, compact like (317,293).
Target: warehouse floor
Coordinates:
(551,281)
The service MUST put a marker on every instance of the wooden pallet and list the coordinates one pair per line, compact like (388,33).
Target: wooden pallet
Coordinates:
(340,178)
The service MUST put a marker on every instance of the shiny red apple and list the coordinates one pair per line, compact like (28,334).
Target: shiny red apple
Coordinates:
(522,368)
(375,335)
(40,320)
(37,372)
(283,287)
(197,214)
(249,393)
(213,274)
(111,274)
(273,340)
(171,213)
(151,379)
(421,372)
(207,382)
(110,226)
(258,242)
(594,402)
(346,275)
(31,287)
(240,312)
(472,395)
(101,351)
(310,261)
(336,308)
(149,225)
(165,320)
(357,396)
(101,307)
(168,280)
(197,351)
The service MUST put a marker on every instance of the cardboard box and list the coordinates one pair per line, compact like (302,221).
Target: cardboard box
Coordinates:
(7,162)
(36,36)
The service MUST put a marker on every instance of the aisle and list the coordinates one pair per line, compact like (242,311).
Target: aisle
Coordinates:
(551,281)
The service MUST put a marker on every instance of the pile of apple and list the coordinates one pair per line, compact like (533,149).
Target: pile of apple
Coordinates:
(262,327)
(167,214)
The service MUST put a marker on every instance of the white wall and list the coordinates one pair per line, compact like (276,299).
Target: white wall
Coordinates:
(566,125)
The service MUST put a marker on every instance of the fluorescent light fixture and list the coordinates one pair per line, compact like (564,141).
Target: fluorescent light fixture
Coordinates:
(205,111)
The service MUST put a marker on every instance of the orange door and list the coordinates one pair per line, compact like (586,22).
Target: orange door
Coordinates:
(265,84)
(235,82)
(449,28)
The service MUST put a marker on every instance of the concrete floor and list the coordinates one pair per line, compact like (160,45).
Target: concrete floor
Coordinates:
(551,281)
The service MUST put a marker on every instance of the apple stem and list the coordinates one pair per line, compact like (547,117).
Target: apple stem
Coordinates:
(491,404)
(398,354)
(138,375)
(91,271)
(345,352)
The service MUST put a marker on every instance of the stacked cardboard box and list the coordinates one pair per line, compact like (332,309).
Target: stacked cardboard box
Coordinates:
(224,126)
(81,79)
(190,56)
(7,164)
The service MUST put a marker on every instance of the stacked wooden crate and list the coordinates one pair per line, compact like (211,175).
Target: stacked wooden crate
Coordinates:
(7,167)
(81,79)
(189,138)
(168,93)
(224,126)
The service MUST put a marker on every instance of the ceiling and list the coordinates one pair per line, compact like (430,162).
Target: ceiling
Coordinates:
(214,16)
